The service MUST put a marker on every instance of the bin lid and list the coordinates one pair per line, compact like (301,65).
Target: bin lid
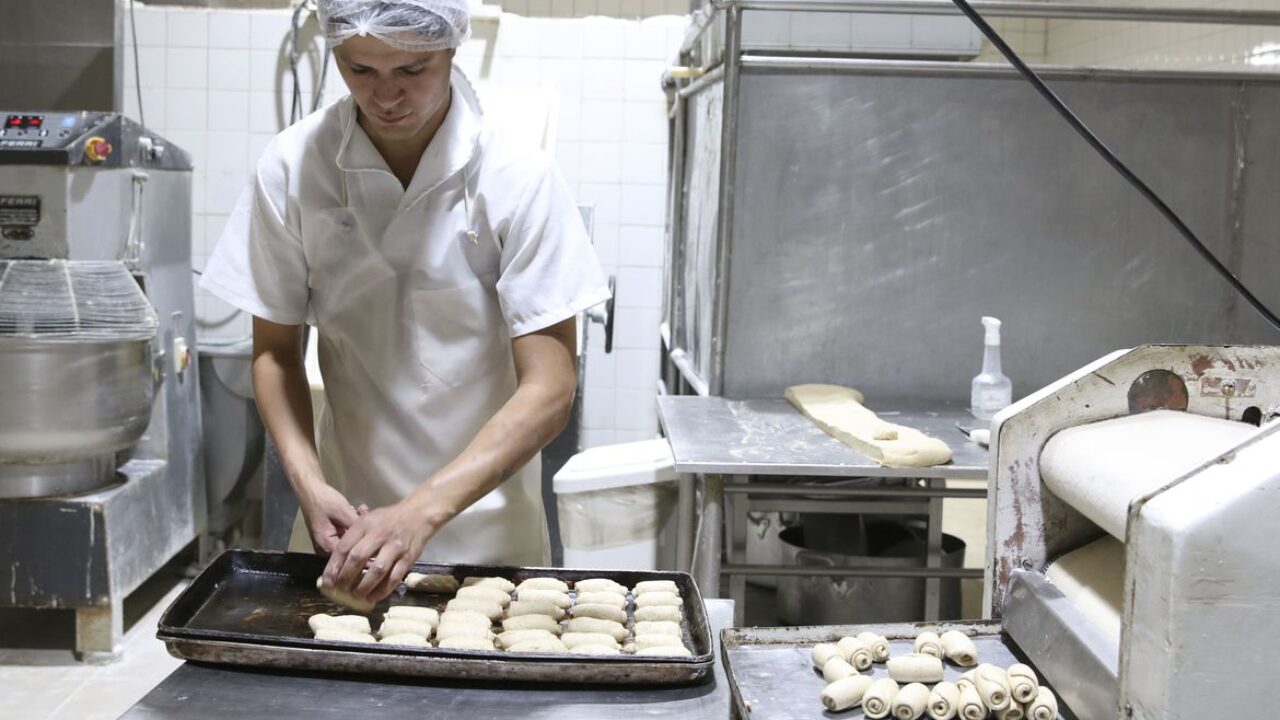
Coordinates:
(612,466)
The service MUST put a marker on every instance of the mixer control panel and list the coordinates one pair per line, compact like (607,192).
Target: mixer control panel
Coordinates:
(47,130)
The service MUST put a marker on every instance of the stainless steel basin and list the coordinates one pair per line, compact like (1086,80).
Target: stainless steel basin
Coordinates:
(66,409)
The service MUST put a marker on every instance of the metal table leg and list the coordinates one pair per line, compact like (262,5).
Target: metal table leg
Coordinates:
(933,561)
(736,517)
(99,630)
(685,523)
(707,552)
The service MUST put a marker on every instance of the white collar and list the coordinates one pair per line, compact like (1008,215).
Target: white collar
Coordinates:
(450,150)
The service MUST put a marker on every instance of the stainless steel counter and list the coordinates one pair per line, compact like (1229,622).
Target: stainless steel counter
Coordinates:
(713,435)
(198,691)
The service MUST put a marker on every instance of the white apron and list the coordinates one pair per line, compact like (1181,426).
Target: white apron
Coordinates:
(416,358)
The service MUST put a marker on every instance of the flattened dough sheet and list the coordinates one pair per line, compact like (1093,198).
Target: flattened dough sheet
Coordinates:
(839,411)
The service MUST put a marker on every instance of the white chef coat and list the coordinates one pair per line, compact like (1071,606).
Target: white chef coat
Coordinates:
(415,295)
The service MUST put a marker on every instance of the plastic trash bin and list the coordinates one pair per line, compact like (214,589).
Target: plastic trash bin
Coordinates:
(617,507)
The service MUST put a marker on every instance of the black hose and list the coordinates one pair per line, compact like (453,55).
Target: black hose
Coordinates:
(1115,162)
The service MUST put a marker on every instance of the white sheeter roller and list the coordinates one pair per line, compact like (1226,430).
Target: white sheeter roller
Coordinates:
(1134,532)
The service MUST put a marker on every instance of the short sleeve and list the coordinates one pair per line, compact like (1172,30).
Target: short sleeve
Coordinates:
(258,264)
(549,271)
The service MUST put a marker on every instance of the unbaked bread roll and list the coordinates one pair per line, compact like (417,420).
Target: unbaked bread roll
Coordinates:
(1023,683)
(405,639)
(971,705)
(468,617)
(910,701)
(668,613)
(404,626)
(665,627)
(555,597)
(858,653)
(959,648)
(665,651)
(944,701)
(343,597)
(600,585)
(535,607)
(823,652)
(601,598)
(915,667)
(878,700)
(508,638)
(441,584)
(543,583)
(1044,706)
(1012,711)
(928,643)
(466,642)
(658,598)
(837,668)
(550,644)
(643,642)
(445,632)
(590,649)
(341,634)
(647,586)
(532,622)
(422,614)
(599,610)
(879,645)
(354,623)
(484,594)
(572,640)
(608,627)
(502,584)
(492,610)
(846,692)
(993,685)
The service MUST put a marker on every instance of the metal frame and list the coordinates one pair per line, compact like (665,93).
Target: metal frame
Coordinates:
(719,57)
(740,496)
(727,64)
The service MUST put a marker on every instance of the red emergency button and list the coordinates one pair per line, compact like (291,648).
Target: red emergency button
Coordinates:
(97,149)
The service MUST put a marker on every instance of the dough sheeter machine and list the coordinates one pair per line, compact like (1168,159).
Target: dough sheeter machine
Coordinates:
(1131,556)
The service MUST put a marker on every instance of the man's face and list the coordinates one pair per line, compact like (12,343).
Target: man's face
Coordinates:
(397,91)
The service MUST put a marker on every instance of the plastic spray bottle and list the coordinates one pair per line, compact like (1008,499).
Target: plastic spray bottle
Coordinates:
(992,391)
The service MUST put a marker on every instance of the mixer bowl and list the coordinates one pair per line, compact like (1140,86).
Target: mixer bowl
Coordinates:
(67,408)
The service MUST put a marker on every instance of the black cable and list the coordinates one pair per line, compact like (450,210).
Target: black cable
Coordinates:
(1114,161)
(137,73)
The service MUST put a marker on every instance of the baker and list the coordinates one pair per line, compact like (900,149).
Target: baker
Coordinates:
(443,268)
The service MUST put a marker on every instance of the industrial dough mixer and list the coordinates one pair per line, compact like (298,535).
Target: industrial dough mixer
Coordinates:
(100,483)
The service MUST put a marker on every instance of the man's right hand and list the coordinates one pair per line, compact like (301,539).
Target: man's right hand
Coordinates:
(327,514)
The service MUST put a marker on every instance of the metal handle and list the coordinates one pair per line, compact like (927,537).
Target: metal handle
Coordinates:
(604,315)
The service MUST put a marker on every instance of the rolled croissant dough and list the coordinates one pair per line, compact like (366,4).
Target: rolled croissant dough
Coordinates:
(838,410)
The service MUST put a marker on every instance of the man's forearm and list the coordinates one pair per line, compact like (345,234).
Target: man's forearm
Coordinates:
(284,402)
(534,415)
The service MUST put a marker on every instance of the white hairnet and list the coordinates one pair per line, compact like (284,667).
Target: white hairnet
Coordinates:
(413,25)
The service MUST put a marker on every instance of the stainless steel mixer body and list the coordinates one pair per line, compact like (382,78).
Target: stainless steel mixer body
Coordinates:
(100,480)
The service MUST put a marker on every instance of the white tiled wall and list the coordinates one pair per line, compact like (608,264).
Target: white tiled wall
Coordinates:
(218,84)
(1168,45)
(1025,36)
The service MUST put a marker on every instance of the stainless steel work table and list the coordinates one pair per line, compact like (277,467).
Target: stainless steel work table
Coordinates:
(733,447)
(195,691)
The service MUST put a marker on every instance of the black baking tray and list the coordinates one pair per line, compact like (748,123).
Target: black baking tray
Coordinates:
(250,607)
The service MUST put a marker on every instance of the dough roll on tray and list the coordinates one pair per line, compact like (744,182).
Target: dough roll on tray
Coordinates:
(846,693)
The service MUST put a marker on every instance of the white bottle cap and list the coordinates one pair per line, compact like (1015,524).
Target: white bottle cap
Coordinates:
(993,330)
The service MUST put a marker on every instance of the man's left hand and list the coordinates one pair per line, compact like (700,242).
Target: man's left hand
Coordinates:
(384,543)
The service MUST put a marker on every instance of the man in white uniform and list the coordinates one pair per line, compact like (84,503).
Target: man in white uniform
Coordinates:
(443,270)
